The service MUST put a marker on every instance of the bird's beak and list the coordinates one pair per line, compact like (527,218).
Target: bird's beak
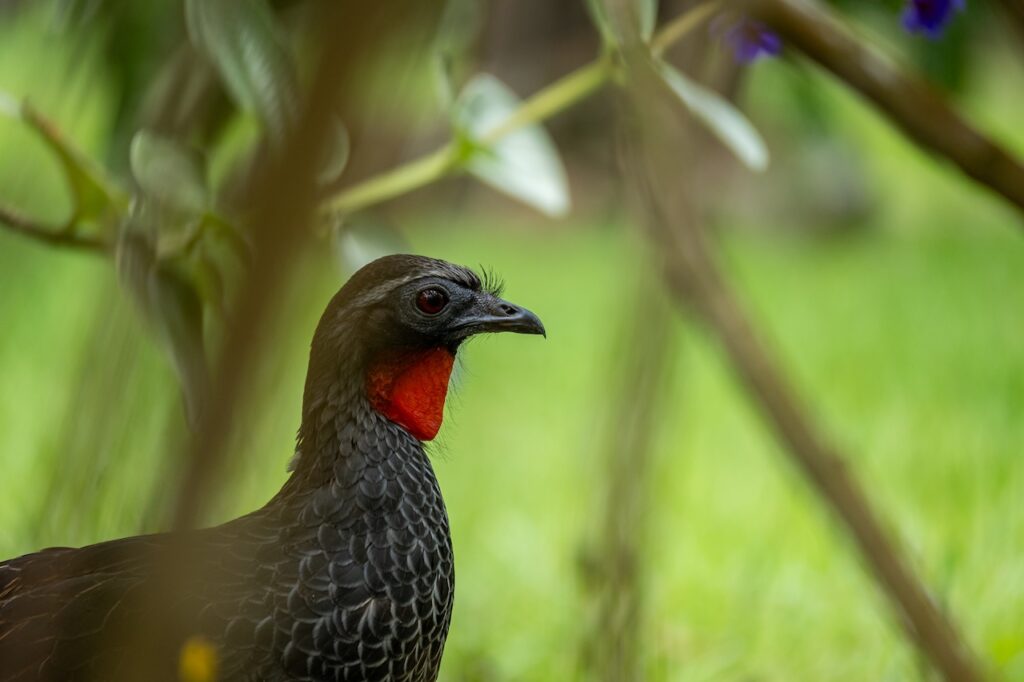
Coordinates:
(493,314)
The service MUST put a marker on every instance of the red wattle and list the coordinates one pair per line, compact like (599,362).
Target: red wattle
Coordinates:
(410,388)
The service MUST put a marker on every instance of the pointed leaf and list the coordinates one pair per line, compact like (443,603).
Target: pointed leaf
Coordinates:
(719,116)
(335,154)
(177,314)
(169,173)
(168,300)
(240,39)
(524,163)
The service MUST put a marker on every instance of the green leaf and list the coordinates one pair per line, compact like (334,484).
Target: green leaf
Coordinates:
(164,291)
(177,314)
(169,173)
(335,154)
(240,39)
(719,116)
(524,163)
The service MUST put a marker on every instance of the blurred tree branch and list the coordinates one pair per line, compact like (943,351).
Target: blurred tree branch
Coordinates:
(613,568)
(696,281)
(93,196)
(16,222)
(1014,9)
(910,103)
(282,195)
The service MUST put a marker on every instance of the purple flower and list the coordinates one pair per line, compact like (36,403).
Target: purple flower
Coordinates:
(750,40)
(929,16)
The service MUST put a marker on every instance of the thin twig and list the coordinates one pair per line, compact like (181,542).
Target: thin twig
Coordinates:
(396,182)
(909,102)
(682,25)
(20,224)
(559,96)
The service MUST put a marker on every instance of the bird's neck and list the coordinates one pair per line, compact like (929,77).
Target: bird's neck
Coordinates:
(363,409)
(409,388)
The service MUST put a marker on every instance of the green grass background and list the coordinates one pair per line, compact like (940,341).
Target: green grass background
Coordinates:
(905,340)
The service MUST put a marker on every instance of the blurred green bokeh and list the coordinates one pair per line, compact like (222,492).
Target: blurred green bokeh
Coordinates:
(905,336)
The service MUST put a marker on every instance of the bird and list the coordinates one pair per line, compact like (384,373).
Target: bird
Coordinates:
(347,573)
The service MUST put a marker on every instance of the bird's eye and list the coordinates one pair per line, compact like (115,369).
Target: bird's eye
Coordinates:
(431,301)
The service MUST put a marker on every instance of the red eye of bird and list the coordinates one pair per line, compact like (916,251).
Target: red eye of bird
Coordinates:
(431,301)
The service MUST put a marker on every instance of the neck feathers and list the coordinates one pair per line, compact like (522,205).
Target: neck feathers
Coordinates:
(360,406)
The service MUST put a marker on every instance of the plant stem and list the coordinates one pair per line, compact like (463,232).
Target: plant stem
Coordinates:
(682,25)
(15,222)
(88,183)
(559,96)
(393,183)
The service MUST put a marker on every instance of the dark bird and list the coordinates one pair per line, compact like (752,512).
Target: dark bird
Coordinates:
(346,574)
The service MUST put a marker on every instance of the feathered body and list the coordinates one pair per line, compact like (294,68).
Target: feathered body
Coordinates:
(346,574)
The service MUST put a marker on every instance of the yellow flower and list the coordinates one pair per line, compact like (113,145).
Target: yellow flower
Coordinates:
(198,660)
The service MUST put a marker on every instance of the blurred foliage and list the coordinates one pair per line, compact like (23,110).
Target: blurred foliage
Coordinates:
(907,332)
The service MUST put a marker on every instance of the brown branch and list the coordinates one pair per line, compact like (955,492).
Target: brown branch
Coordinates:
(613,568)
(910,103)
(1014,10)
(20,224)
(282,195)
(695,280)
(282,198)
(282,202)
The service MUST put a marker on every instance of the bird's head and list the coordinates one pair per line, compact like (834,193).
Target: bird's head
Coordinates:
(399,321)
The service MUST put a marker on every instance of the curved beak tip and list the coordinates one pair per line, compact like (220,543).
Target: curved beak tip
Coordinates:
(527,322)
(501,316)
(522,322)
(530,323)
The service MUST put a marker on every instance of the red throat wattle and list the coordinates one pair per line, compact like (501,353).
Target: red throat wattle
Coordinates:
(410,388)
